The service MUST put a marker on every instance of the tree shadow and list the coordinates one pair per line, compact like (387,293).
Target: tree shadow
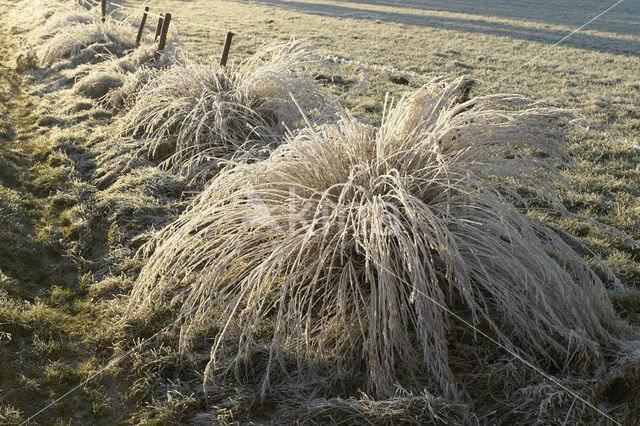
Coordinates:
(618,20)
(599,43)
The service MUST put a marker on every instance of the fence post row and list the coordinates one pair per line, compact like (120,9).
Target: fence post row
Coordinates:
(144,20)
(103,4)
(163,33)
(225,51)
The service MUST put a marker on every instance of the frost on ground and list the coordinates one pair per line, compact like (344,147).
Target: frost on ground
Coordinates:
(299,285)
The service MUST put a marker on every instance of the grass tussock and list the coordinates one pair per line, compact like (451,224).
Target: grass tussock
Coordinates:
(356,245)
(117,80)
(57,19)
(98,84)
(123,98)
(91,42)
(192,116)
(65,34)
(327,253)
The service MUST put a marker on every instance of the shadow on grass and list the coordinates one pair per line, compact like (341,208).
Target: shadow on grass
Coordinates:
(571,13)
(483,25)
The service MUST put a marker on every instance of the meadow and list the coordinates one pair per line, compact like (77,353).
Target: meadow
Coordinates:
(124,177)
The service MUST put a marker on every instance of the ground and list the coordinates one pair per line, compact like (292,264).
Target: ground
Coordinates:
(67,244)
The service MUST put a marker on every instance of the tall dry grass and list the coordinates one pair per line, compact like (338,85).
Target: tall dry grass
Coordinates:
(63,34)
(116,81)
(346,252)
(192,116)
(86,42)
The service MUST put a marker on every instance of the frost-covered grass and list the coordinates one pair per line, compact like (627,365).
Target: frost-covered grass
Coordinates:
(117,80)
(358,244)
(593,71)
(83,43)
(65,34)
(192,116)
(78,202)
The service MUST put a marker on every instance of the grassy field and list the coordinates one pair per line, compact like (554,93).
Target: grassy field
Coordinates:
(72,219)
(592,70)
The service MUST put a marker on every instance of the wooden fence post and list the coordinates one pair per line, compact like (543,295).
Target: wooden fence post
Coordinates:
(144,20)
(225,51)
(158,28)
(103,4)
(163,33)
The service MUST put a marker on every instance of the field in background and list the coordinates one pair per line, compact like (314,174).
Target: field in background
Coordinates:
(595,70)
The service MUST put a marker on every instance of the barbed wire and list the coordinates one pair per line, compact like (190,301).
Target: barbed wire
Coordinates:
(224,30)
(136,9)
(93,3)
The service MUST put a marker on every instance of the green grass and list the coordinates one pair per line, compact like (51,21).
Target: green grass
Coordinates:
(53,334)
